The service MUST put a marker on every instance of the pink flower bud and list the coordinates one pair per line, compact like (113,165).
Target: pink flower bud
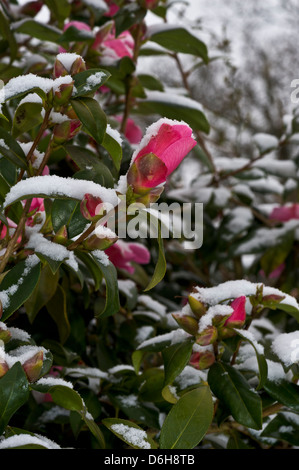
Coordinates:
(202,360)
(159,153)
(187,323)
(31,8)
(207,336)
(132,132)
(91,207)
(66,130)
(63,94)
(76,24)
(238,317)
(5,335)
(33,366)
(3,368)
(59,69)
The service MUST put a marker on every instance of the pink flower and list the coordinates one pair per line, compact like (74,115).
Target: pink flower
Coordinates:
(121,254)
(77,24)
(113,48)
(237,318)
(3,233)
(37,205)
(113,8)
(161,150)
(132,132)
(285,213)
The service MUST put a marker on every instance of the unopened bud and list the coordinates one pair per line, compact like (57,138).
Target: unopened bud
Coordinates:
(188,323)
(63,94)
(61,235)
(196,306)
(5,335)
(146,173)
(207,336)
(3,368)
(149,4)
(202,360)
(31,8)
(66,130)
(99,241)
(33,366)
(92,207)
(78,66)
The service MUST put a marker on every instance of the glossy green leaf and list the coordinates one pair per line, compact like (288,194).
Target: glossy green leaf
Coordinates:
(62,395)
(130,433)
(60,9)
(11,150)
(38,30)
(160,268)
(188,420)
(150,82)
(114,148)
(43,292)
(128,16)
(109,273)
(95,170)
(92,116)
(7,33)
(14,392)
(27,116)
(18,285)
(261,360)
(229,385)
(179,39)
(175,358)
(174,107)
(57,308)
(284,392)
(89,81)
(283,427)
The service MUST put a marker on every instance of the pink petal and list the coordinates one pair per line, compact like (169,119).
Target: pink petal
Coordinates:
(285,213)
(140,253)
(239,313)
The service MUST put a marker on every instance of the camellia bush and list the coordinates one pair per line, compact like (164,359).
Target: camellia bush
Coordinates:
(113,335)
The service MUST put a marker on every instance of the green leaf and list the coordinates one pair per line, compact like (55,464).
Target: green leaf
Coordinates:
(174,107)
(38,30)
(60,9)
(18,284)
(160,268)
(95,170)
(77,35)
(85,85)
(14,392)
(233,391)
(179,39)
(128,16)
(11,150)
(95,430)
(114,148)
(43,292)
(150,82)
(109,273)
(283,427)
(58,311)
(130,433)
(284,392)
(62,395)
(175,358)
(188,420)
(6,33)
(262,363)
(92,116)
(27,116)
